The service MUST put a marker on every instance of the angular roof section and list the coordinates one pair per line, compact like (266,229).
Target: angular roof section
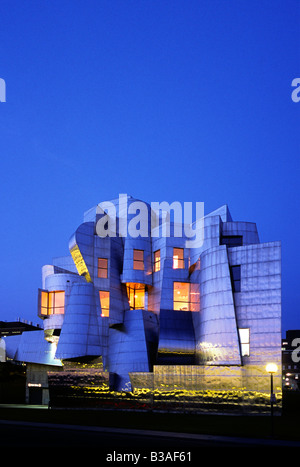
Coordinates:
(223,212)
(32,347)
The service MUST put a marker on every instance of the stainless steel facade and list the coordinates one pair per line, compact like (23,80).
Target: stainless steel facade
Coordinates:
(218,334)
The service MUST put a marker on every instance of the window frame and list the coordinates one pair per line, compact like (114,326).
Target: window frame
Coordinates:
(188,302)
(137,261)
(102,268)
(103,309)
(229,240)
(180,261)
(156,262)
(235,274)
(245,343)
(50,298)
(131,294)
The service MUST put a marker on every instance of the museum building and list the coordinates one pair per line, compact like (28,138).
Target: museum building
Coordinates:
(155,312)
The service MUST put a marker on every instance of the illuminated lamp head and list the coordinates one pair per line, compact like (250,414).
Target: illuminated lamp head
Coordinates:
(271,368)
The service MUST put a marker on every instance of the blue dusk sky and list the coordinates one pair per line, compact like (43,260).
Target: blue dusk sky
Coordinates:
(163,100)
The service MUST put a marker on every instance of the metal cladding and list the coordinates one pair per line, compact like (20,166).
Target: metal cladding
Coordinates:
(161,314)
(80,333)
(31,347)
(132,342)
(176,338)
(217,335)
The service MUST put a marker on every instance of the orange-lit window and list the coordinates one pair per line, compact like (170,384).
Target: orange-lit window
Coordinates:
(195,297)
(181,296)
(44,303)
(52,303)
(157,261)
(138,260)
(136,296)
(102,268)
(104,301)
(178,260)
(59,302)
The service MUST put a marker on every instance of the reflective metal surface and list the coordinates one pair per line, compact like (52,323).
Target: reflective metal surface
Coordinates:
(210,318)
(176,338)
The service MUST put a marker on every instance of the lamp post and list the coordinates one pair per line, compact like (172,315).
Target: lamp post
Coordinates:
(272,368)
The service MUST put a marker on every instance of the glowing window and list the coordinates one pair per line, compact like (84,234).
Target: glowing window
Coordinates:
(245,341)
(178,260)
(44,303)
(138,260)
(136,296)
(102,268)
(52,303)
(181,296)
(59,303)
(195,297)
(157,261)
(104,301)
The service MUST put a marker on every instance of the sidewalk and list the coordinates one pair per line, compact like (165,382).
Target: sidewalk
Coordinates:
(223,440)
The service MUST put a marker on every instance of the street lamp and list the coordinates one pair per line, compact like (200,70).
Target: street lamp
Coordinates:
(272,368)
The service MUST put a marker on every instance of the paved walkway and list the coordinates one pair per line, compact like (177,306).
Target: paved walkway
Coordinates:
(189,438)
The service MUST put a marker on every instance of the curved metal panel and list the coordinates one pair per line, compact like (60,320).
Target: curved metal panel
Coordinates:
(217,340)
(81,247)
(80,333)
(128,349)
(176,338)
